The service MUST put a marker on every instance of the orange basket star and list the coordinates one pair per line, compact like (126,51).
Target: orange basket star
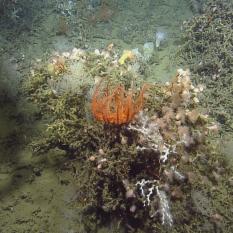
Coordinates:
(116,105)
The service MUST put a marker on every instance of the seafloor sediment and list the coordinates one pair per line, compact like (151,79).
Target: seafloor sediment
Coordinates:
(41,193)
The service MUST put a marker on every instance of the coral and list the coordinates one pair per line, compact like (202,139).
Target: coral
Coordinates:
(152,138)
(141,174)
(104,14)
(57,65)
(207,50)
(149,190)
(116,106)
(127,55)
(172,124)
(164,208)
(180,113)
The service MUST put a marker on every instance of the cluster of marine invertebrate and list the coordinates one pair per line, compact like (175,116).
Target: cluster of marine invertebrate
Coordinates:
(180,112)
(172,130)
(140,169)
(116,105)
(152,139)
(126,55)
(173,125)
(103,14)
(211,62)
(57,65)
(149,189)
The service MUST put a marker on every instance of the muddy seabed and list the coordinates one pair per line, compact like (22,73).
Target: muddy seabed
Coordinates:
(38,193)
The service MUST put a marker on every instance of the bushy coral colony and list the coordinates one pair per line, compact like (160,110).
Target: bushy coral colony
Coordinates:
(210,62)
(148,188)
(132,145)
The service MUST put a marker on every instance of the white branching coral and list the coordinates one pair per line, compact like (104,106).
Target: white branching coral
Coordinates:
(174,123)
(149,190)
(152,137)
(164,208)
(149,129)
(172,129)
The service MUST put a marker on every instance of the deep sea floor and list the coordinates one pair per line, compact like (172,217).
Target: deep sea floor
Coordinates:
(38,193)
